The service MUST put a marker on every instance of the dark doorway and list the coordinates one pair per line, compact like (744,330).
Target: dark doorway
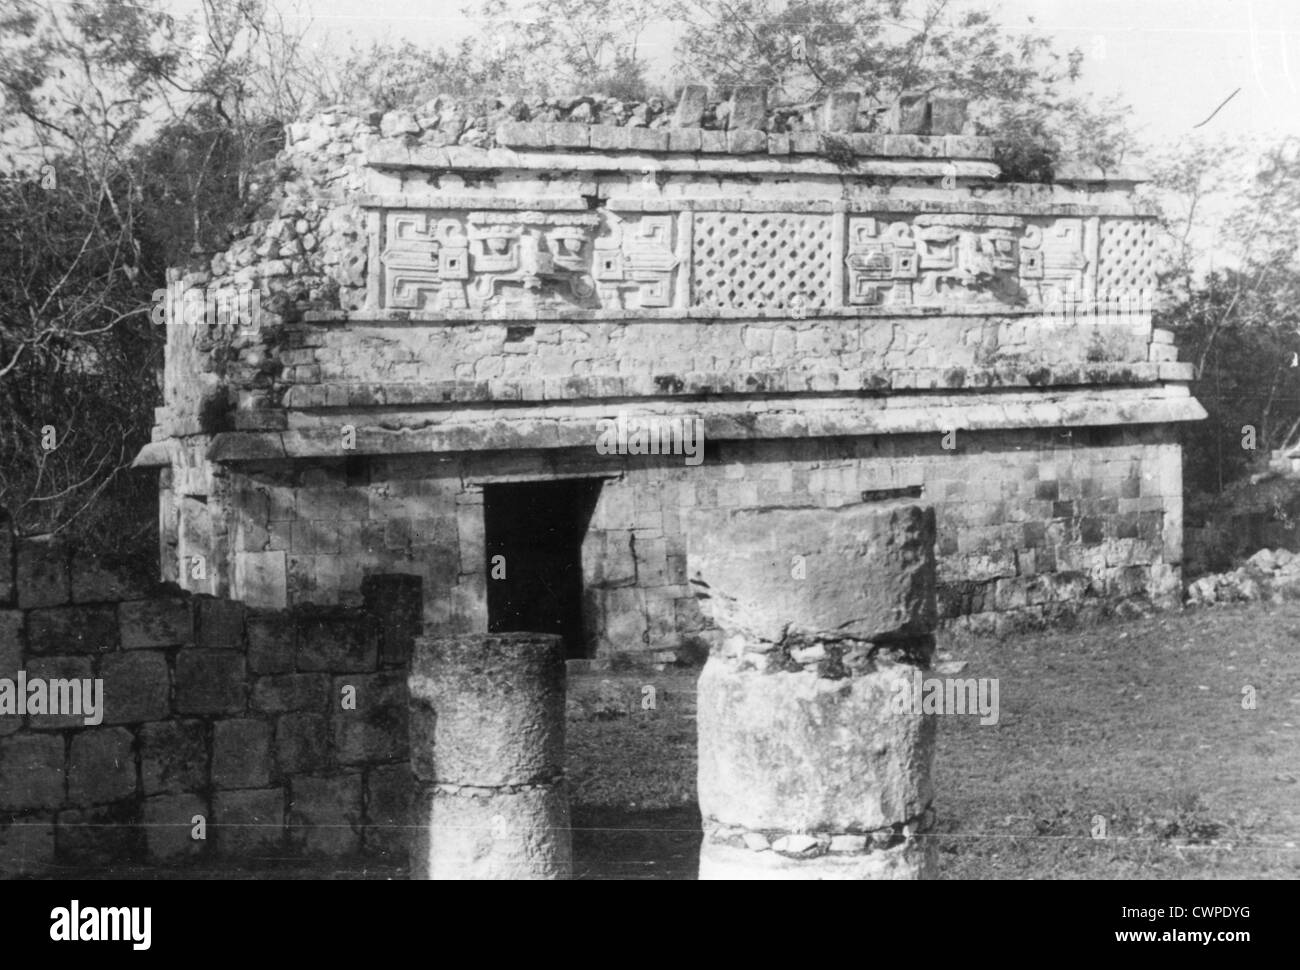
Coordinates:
(536,528)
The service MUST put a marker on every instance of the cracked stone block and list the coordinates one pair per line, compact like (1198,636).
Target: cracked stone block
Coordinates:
(862,571)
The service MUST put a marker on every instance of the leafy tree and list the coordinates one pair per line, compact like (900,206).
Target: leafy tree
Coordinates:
(1232,298)
(129,137)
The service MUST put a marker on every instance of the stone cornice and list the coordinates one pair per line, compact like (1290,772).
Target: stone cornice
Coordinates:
(579,426)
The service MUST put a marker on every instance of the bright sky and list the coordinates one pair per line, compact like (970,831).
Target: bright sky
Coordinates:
(1175,61)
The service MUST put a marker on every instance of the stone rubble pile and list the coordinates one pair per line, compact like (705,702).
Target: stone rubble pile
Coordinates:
(1271,575)
(446,120)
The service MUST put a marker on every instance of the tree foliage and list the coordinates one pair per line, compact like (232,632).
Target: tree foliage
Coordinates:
(1233,299)
(129,137)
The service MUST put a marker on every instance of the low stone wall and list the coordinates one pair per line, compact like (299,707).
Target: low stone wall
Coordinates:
(222,733)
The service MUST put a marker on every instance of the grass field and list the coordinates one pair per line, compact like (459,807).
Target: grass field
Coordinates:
(1138,721)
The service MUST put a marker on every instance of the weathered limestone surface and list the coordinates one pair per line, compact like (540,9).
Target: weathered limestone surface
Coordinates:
(464,291)
(487,749)
(284,733)
(498,708)
(805,770)
(865,577)
(799,752)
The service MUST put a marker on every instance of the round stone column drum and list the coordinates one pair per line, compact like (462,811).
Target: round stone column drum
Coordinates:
(806,771)
(487,750)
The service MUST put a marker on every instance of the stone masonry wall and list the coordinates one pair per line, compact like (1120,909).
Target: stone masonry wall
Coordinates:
(455,295)
(1033,526)
(209,709)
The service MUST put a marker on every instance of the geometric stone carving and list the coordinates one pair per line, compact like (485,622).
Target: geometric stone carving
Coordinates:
(882,262)
(635,263)
(425,261)
(454,261)
(1126,268)
(1052,261)
(761,260)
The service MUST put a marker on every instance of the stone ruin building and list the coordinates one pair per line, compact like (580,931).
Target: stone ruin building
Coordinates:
(446,313)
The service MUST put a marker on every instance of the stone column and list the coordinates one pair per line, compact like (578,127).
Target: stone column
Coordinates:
(805,769)
(487,750)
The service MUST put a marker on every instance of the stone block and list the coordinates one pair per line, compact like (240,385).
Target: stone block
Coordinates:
(169,827)
(137,687)
(911,146)
(26,845)
(325,814)
(101,766)
(685,139)
(567,135)
(270,643)
(99,837)
(913,114)
(241,753)
(397,603)
(95,582)
(624,620)
(72,629)
(801,753)
(261,580)
(947,115)
(745,141)
(968,146)
(805,142)
(301,743)
(388,799)
(521,134)
(219,624)
(210,682)
(31,772)
(713,141)
(6,561)
(523,836)
(377,729)
(609,138)
(748,109)
(156,623)
(66,676)
(778,144)
(647,139)
(11,642)
(173,757)
(691,103)
(337,642)
(282,693)
(248,824)
(863,571)
(42,577)
(840,111)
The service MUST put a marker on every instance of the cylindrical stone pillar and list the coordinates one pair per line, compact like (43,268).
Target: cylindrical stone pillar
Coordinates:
(807,768)
(487,751)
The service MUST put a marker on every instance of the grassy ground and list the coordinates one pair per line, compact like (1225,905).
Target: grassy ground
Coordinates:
(1140,722)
